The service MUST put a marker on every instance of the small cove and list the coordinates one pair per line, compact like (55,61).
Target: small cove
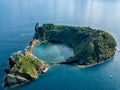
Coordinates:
(52,52)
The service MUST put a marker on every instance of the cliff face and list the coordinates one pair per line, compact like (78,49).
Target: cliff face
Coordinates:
(90,45)
(24,68)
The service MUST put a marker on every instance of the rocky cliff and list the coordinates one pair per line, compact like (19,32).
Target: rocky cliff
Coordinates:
(90,45)
(24,68)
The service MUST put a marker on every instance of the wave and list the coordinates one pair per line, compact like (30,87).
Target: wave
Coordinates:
(118,49)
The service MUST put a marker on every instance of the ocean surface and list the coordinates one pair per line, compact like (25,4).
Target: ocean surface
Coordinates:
(17,20)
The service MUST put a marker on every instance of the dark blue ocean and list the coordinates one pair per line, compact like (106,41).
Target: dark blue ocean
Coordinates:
(17,20)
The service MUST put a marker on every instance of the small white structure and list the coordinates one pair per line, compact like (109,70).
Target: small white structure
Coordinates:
(45,70)
(118,49)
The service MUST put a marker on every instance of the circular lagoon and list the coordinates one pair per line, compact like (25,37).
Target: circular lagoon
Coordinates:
(52,52)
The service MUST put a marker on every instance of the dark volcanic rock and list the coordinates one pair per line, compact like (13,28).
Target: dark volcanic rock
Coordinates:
(7,70)
(14,80)
(11,61)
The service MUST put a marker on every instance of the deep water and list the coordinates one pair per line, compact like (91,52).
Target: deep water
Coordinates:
(17,20)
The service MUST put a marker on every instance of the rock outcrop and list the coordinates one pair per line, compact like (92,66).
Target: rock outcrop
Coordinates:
(24,68)
(11,61)
(14,80)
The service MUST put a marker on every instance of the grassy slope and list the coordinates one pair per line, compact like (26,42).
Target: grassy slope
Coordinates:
(28,65)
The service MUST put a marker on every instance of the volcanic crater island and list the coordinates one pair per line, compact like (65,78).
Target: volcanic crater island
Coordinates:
(91,47)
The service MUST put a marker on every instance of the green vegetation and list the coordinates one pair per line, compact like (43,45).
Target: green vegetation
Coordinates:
(90,45)
(28,65)
(25,69)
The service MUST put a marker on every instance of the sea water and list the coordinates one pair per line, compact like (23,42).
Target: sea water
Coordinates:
(17,20)
(53,52)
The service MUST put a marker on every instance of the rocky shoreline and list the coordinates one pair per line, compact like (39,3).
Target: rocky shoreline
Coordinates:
(80,66)
(15,78)
(28,51)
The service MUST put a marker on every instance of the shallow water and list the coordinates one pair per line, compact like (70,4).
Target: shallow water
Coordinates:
(53,52)
(17,20)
